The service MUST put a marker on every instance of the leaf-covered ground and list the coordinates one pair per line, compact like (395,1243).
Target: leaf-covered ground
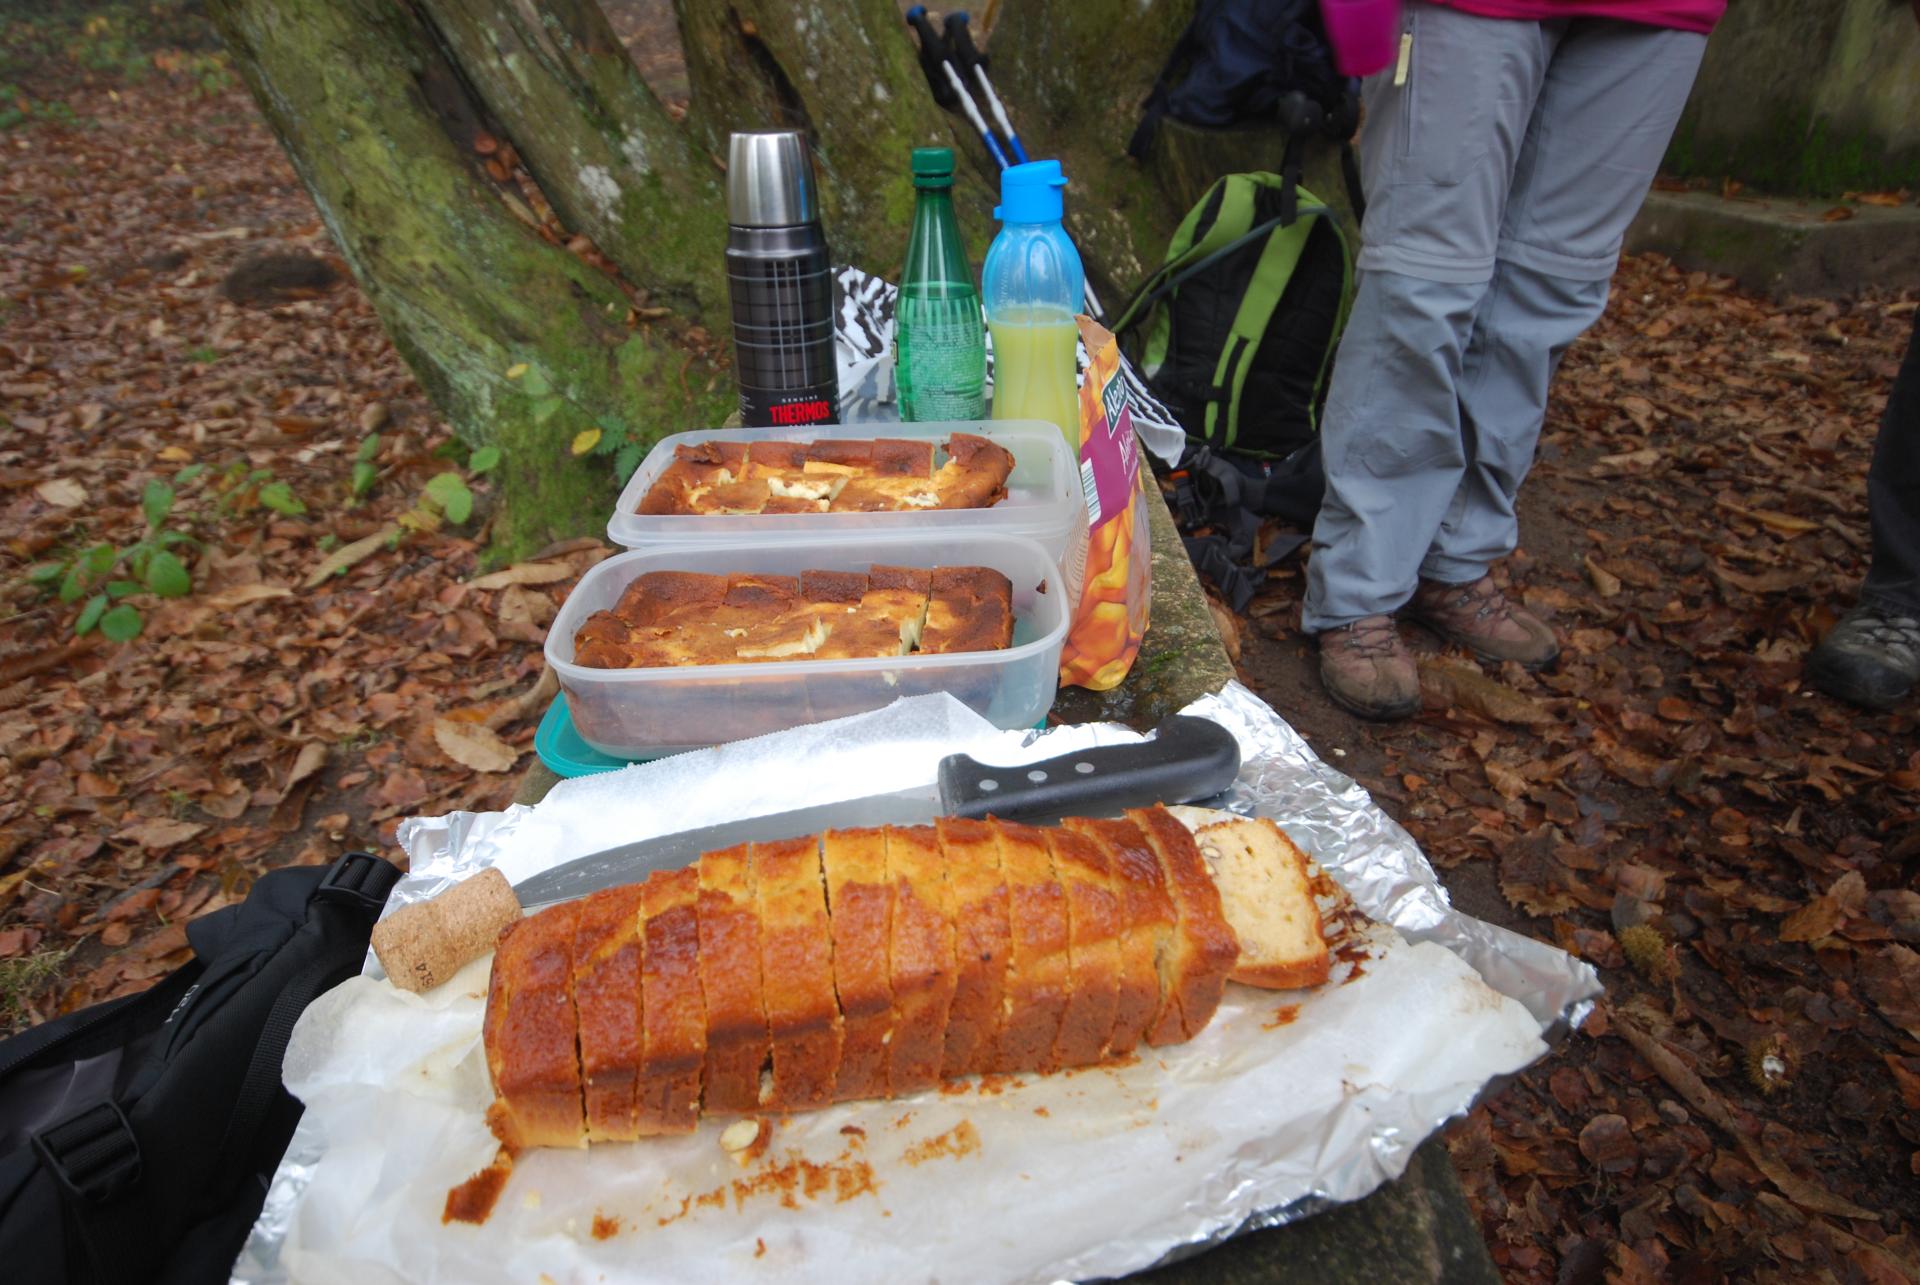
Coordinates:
(1737,856)
(1736,853)
(172,323)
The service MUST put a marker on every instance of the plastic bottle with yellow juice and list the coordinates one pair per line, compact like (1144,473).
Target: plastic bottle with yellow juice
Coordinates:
(1032,284)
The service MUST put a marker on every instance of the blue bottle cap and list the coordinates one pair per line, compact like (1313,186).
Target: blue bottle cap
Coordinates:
(1030,193)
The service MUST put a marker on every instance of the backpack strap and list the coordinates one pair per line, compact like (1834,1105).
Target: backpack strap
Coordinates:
(1269,281)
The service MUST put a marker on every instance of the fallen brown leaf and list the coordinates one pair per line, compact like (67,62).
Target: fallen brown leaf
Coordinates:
(525,573)
(157,834)
(348,555)
(474,745)
(1449,684)
(1604,582)
(1825,913)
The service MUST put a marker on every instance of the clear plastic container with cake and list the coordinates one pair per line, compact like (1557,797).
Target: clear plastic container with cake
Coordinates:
(661,709)
(1043,500)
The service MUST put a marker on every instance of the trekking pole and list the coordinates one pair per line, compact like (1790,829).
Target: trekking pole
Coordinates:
(948,89)
(933,55)
(973,65)
(962,51)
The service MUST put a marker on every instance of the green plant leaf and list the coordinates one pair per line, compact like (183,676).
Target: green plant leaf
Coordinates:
(45,572)
(86,570)
(483,459)
(157,502)
(90,615)
(279,497)
(122,624)
(167,576)
(260,475)
(175,537)
(369,447)
(535,383)
(626,460)
(364,476)
(118,589)
(546,408)
(188,473)
(449,491)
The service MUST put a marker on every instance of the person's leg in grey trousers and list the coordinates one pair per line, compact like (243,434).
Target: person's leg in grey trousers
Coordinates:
(1500,179)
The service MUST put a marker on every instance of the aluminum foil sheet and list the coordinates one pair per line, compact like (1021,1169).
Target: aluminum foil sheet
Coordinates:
(1259,1121)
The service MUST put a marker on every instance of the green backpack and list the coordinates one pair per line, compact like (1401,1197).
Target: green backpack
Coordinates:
(1235,332)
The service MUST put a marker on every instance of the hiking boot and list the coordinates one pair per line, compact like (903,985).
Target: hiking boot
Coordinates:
(1478,617)
(1871,658)
(1368,670)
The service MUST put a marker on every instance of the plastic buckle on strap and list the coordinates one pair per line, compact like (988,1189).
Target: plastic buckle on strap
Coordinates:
(358,879)
(94,1156)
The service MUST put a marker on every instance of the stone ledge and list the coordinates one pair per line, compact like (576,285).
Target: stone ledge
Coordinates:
(1413,1231)
(1781,246)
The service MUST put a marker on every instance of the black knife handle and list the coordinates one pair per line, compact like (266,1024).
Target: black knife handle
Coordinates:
(1186,758)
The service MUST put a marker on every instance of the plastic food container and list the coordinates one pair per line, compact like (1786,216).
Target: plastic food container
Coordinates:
(1044,502)
(644,713)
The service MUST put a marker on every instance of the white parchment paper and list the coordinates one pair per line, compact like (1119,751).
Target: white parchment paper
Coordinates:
(1286,1102)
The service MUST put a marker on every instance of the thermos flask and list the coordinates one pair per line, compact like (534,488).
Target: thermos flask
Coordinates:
(780,283)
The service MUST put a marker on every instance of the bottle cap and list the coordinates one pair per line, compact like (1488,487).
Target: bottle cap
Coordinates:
(770,180)
(1030,193)
(933,167)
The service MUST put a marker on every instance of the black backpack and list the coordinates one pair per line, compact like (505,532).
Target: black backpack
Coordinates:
(1258,60)
(138,1136)
(1235,333)
(1247,382)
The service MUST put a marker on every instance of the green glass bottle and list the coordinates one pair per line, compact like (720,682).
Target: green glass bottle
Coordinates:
(940,351)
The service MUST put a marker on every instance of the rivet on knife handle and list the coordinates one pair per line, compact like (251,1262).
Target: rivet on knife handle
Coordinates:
(1186,758)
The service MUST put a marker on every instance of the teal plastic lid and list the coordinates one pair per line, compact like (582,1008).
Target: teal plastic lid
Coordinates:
(1030,193)
(559,744)
(561,748)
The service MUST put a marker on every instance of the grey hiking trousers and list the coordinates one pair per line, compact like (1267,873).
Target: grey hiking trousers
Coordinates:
(1500,178)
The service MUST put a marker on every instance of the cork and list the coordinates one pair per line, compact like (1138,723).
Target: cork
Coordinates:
(424,944)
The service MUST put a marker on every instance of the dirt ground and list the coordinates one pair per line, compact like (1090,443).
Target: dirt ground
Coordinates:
(324,650)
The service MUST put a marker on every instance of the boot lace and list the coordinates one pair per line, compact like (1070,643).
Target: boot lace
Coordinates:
(1482,599)
(1373,638)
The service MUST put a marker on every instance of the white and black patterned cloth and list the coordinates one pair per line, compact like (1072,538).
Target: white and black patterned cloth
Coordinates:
(863,335)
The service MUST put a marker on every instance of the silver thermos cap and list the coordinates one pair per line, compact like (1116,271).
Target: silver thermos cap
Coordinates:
(770,180)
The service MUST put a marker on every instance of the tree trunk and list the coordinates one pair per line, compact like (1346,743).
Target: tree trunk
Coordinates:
(395,111)
(378,123)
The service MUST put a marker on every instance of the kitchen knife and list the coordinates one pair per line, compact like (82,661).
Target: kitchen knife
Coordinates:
(1187,758)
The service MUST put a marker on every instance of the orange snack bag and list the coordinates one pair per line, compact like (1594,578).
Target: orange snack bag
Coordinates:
(1116,583)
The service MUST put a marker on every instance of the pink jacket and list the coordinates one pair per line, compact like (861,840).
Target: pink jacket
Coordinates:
(1685,15)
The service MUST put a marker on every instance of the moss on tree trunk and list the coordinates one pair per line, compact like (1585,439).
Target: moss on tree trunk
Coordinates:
(369,109)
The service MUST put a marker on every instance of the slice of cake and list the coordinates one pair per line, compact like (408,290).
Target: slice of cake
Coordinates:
(1147,918)
(606,991)
(860,904)
(1204,949)
(1267,893)
(697,469)
(1093,948)
(737,1048)
(603,642)
(673,1016)
(977,905)
(1039,974)
(532,1045)
(968,609)
(920,959)
(975,474)
(665,597)
(796,968)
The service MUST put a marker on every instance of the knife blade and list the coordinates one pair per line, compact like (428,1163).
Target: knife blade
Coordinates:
(1185,759)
